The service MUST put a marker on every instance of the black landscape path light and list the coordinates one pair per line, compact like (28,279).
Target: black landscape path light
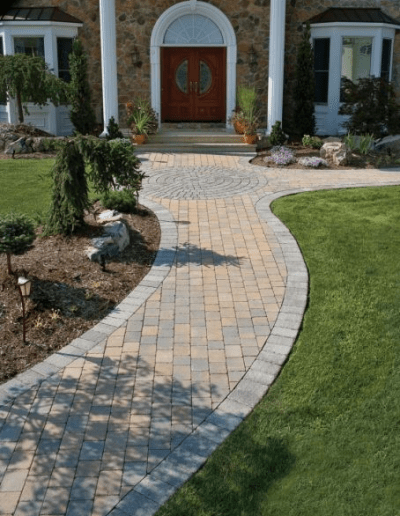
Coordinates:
(24,287)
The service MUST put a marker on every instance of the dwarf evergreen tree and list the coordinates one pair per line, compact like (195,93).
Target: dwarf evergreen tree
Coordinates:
(70,195)
(17,232)
(82,114)
(305,86)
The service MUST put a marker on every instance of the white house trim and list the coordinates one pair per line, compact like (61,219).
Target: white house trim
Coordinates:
(157,41)
(108,42)
(328,120)
(276,62)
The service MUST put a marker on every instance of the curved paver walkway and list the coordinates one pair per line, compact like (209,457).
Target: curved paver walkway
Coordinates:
(117,420)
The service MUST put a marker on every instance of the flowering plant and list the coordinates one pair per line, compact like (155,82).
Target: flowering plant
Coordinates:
(281,156)
(313,162)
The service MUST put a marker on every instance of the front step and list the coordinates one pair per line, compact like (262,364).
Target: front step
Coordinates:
(210,139)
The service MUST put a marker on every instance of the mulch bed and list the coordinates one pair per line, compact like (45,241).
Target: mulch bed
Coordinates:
(70,294)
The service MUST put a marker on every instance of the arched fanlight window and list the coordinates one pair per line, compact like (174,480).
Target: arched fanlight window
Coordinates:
(193,29)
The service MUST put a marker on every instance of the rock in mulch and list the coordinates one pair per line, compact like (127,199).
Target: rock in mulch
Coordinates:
(389,145)
(336,152)
(113,241)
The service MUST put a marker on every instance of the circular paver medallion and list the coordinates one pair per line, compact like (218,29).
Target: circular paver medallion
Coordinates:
(202,183)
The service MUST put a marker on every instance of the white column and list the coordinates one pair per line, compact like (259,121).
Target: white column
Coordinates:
(276,61)
(108,38)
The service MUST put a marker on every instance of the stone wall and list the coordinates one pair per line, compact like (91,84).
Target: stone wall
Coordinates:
(249,18)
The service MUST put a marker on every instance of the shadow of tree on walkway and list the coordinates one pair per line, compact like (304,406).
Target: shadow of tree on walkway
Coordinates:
(192,254)
(86,437)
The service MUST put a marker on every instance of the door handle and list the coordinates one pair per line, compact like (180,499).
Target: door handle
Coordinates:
(191,86)
(196,84)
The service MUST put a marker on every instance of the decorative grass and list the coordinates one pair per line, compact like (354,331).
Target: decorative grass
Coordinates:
(325,440)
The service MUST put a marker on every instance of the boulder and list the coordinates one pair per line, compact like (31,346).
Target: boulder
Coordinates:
(336,152)
(37,145)
(113,241)
(18,147)
(332,139)
(389,145)
(109,216)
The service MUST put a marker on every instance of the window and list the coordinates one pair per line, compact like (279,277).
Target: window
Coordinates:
(321,69)
(30,46)
(386,59)
(356,58)
(64,48)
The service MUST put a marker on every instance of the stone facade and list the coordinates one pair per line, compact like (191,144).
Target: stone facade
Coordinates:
(135,20)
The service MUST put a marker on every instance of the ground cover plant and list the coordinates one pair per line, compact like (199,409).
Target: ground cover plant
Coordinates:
(325,439)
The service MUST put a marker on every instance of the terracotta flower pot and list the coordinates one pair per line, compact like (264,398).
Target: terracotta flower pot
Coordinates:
(250,139)
(239,127)
(139,139)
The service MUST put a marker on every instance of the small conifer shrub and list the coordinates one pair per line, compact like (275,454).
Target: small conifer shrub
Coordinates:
(82,114)
(17,232)
(123,201)
(113,130)
(70,194)
(277,136)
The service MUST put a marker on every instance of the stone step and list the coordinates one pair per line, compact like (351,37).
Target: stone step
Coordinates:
(195,137)
(188,147)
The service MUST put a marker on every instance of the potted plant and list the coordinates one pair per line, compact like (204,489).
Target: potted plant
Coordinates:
(247,101)
(142,120)
(140,127)
(237,121)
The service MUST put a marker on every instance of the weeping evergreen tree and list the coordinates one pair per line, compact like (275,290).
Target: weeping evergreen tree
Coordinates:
(82,114)
(70,195)
(27,78)
(305,86)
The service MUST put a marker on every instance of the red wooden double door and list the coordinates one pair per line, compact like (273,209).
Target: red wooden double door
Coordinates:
(193,84)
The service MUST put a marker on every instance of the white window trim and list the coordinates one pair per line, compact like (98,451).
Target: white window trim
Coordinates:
(46,116)
(327,117)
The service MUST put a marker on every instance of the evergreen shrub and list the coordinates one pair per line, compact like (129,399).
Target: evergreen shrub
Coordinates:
(304,89)
(121,200)
(82,114)
(17,233)
(70,194)
(277,136)
(109,164)
(371,105)
(113,130)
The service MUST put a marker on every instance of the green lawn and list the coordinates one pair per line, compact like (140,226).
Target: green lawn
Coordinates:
(25,186)
(325,440)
